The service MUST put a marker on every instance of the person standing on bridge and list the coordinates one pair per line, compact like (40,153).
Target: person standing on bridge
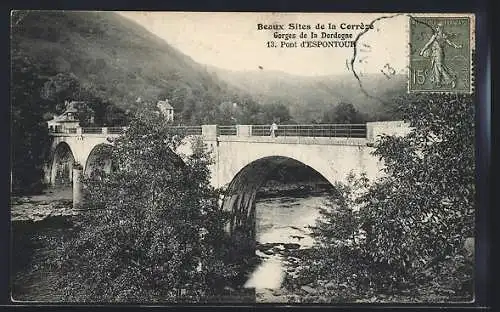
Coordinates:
(274,127)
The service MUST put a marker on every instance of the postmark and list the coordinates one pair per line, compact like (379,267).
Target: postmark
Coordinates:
(440,54)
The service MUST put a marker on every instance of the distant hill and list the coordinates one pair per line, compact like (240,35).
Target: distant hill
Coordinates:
(115,62)
(115,58)
(309,97)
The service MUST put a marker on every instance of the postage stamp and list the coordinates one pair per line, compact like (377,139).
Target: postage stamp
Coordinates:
(440,57)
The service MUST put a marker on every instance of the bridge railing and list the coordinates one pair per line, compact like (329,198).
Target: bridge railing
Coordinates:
(116,130)
(92,130)
(227,130)
(64,130)
(188,130)
(312,130)
(315,130)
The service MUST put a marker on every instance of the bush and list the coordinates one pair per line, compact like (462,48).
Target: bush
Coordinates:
(405,232)
(153,231)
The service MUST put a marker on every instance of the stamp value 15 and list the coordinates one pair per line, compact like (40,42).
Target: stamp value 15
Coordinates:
(440,54)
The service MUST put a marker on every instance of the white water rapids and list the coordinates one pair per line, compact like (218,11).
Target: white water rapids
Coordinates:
(281,220)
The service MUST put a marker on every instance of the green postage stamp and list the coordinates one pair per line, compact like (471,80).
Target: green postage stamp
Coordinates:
(440,57)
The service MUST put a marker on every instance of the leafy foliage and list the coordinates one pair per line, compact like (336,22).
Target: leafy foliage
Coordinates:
(343,113)
(29,134)
(406,230)
(66,86)
(153,230)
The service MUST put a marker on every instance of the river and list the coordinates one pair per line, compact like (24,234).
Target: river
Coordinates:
(280,221)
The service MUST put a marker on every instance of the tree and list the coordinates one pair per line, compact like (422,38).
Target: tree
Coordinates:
(250,110)
(29,134)
(152,230)
(343,113)
(408,228)
(115,116)
(276,112)
(60,88)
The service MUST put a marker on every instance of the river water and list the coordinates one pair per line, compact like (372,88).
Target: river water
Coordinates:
(281,220)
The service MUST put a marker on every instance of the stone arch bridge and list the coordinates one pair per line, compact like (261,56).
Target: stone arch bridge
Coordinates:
(244,155)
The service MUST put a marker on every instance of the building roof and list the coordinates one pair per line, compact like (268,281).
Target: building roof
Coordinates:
(71,107)
(63,118)
(70,110)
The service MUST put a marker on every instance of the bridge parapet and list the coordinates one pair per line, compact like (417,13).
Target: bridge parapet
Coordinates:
(89,130)
(313,130)
(295,140)
(244,130)
(375,129)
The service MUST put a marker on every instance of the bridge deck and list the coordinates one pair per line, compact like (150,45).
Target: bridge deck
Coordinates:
(313,130)
(333,133)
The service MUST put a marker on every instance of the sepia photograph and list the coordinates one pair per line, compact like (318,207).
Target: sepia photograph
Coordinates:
(242,158)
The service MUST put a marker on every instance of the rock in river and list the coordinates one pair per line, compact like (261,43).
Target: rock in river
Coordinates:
(291,246)
(266,246)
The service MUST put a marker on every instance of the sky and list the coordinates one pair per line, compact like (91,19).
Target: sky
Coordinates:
(232,40)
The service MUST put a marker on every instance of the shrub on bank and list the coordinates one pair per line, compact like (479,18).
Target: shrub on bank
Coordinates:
(402,235)
(152,230)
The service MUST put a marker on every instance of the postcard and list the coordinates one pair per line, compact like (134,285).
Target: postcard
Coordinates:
(242,157)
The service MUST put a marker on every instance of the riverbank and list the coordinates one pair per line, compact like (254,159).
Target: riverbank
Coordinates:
(52,202)
(297,189)
(33,245)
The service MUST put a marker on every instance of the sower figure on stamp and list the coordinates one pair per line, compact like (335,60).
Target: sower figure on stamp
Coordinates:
(441,74)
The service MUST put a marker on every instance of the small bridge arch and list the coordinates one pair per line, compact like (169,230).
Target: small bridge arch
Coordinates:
(61,164)
(99,159)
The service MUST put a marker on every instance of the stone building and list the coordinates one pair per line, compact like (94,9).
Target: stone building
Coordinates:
(69,119)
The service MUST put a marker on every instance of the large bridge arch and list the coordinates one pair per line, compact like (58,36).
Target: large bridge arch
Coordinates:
(322,165)
(333,159)
(241,192)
